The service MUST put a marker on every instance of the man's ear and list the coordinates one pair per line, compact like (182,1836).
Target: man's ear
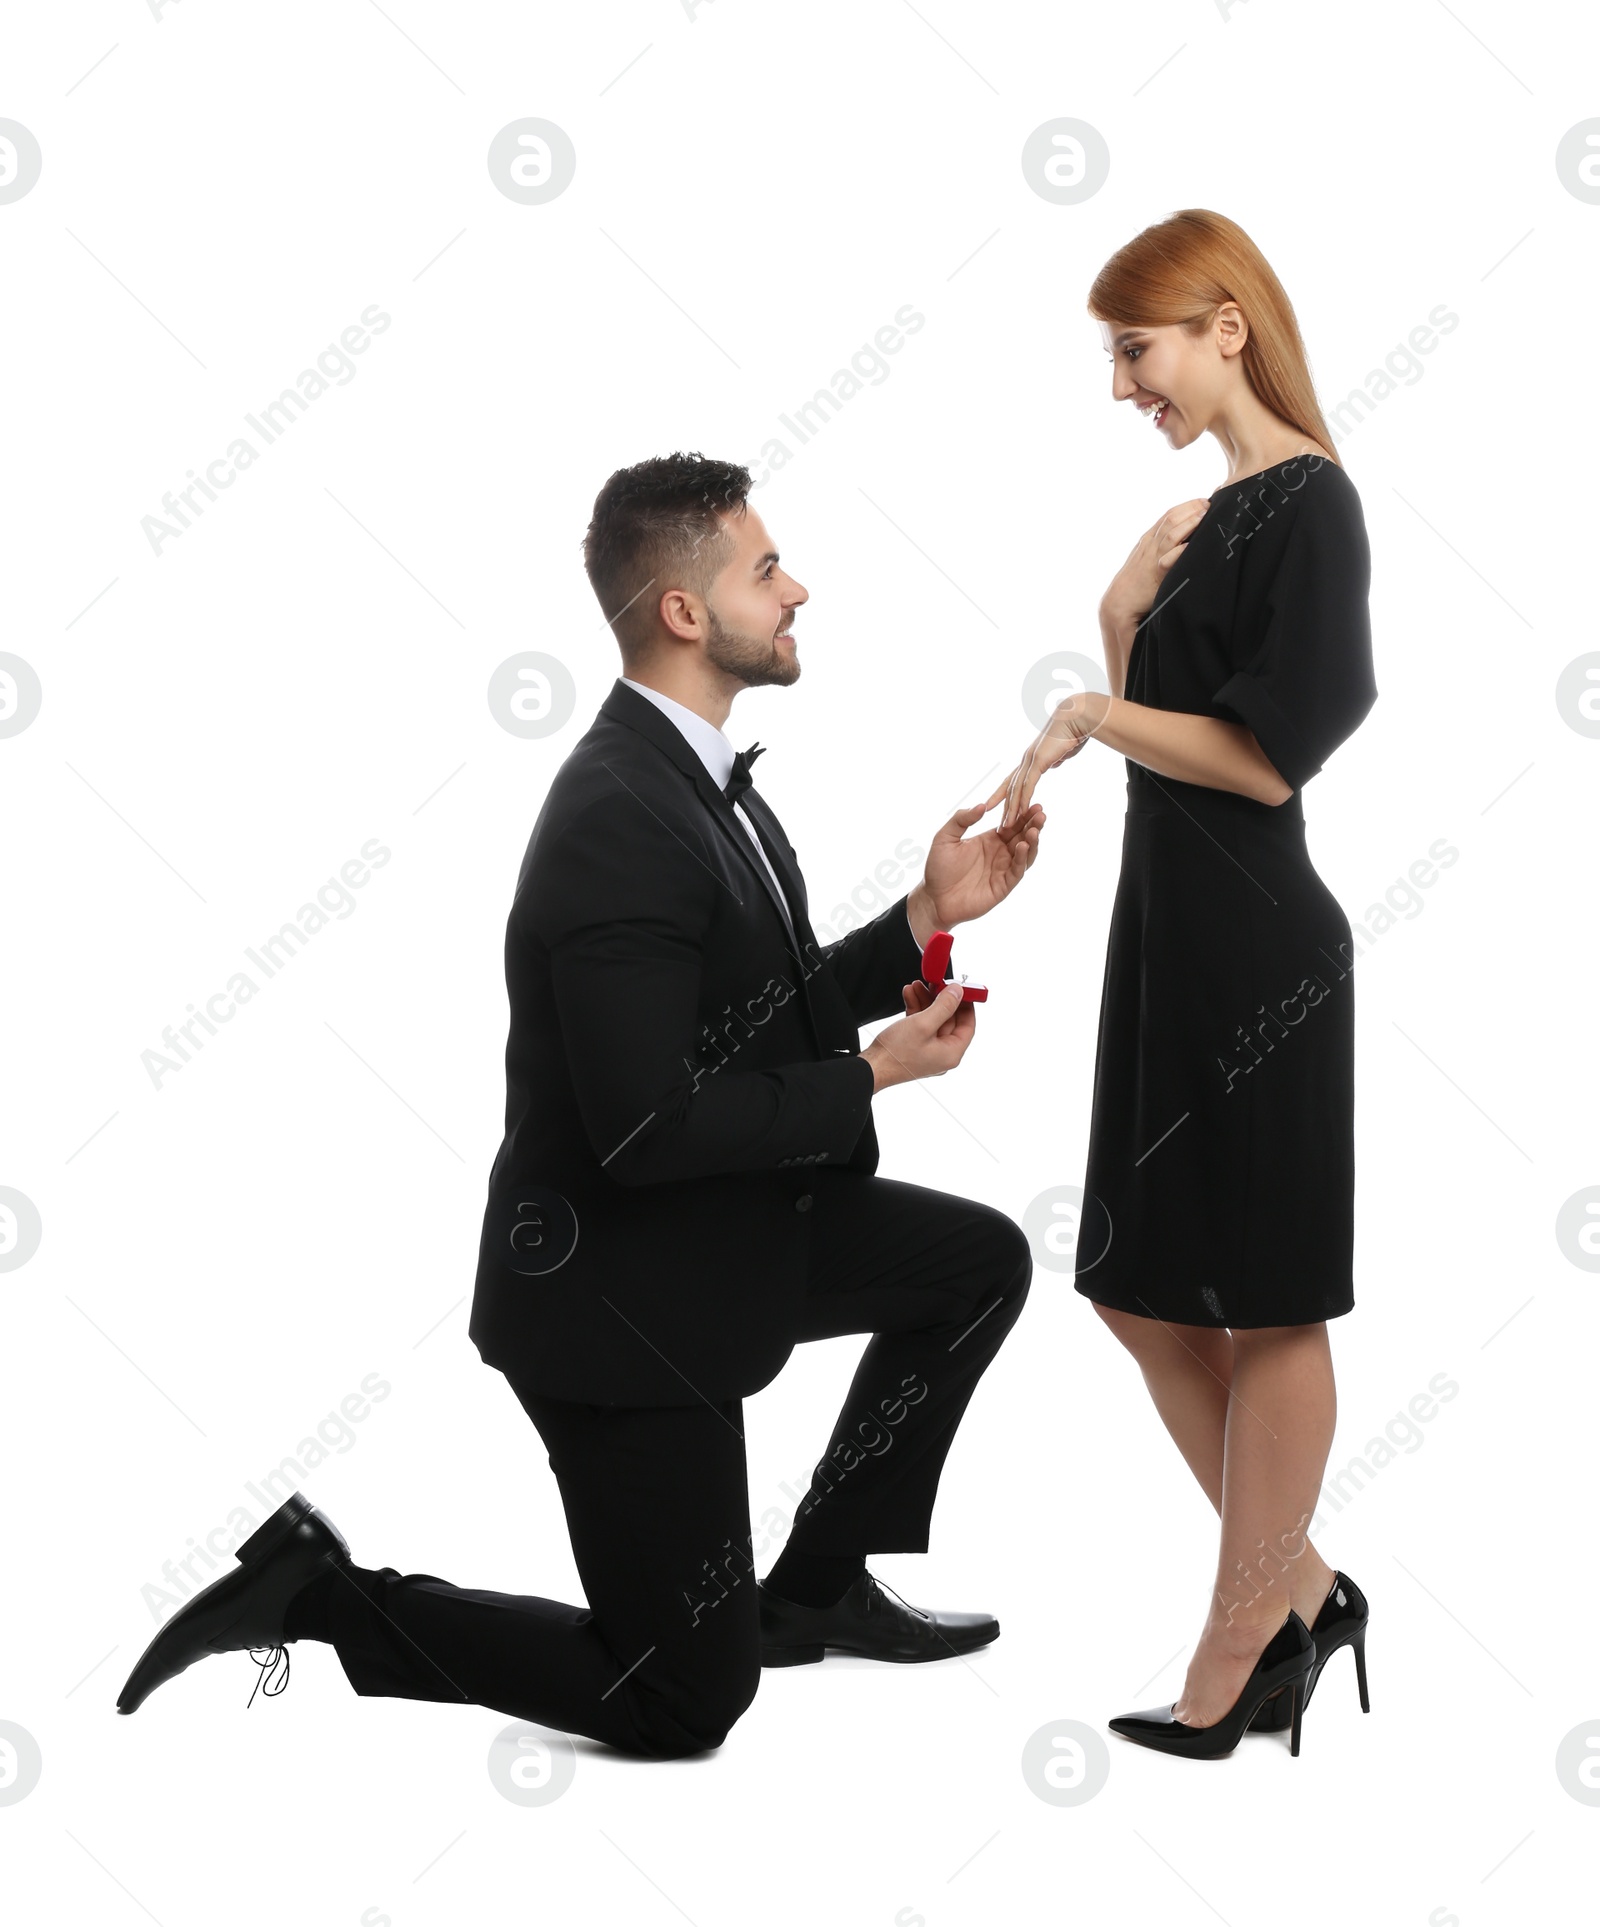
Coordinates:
(681,615)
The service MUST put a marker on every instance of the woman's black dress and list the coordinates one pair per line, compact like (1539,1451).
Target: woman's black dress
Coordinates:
(1220,1186)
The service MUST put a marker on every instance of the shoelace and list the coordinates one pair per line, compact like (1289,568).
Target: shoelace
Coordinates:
(268,1672)
(878,1584)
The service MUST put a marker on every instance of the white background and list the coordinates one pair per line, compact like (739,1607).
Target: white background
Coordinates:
(758,189)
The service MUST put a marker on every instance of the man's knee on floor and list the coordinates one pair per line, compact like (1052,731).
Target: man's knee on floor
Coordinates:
(673,1726)
(1016,1262)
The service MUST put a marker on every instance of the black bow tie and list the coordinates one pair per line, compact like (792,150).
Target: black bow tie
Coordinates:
(739,781)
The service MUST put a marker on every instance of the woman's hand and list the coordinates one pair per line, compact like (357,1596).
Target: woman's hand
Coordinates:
(1137,583)
(1072,722)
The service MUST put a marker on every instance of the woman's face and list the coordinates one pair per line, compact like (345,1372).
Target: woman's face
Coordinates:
(1174,379)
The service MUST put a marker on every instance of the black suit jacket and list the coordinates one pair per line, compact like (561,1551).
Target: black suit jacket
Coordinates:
(675,1068)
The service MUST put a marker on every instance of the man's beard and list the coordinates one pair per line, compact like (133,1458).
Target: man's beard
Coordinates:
(754,662)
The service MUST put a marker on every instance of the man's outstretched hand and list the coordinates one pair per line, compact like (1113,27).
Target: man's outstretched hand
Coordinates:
(965,876)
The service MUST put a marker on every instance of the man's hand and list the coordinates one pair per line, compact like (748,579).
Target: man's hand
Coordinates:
(929,1040)
(966,876)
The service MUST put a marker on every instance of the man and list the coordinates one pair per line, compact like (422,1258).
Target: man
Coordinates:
(685,1191)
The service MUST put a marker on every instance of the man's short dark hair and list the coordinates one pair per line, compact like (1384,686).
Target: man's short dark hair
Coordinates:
(655,527)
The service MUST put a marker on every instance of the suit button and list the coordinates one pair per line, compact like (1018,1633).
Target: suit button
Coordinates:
(803,1202)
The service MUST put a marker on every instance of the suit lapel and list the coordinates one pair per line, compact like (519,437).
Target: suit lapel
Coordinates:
(739,836)
(626,705)
(776,845)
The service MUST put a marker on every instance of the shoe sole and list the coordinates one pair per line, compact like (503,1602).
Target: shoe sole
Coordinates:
(810,1655)
(275,1529)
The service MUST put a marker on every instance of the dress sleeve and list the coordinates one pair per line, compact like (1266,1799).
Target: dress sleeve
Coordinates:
(1306,682)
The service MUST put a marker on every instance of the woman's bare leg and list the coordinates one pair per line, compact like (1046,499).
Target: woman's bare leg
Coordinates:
(1275,1450)
(1188,1370)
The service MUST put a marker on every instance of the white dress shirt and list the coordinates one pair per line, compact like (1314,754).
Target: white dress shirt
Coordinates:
(716,752)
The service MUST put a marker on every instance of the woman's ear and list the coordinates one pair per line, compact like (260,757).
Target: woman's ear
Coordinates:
(1231,329)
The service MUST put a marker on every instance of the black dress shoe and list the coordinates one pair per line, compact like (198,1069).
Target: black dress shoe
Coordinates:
(1285,1664)
(243,1610)
(1341,1622)
(868,1623)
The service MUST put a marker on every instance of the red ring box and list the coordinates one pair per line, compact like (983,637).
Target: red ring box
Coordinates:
(936,961)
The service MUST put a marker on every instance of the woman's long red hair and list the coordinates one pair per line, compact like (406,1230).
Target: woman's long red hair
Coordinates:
(1179,272)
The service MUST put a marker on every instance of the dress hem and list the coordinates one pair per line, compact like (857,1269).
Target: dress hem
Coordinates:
(1136,1310)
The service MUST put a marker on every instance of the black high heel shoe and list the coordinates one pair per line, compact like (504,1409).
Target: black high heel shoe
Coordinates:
(1341,1622)
(1283,1669)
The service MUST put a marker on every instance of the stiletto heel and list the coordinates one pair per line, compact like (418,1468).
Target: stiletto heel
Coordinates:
(1284,1667)
(1341,1622)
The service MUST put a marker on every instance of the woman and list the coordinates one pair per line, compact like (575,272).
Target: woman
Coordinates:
(1218,1200)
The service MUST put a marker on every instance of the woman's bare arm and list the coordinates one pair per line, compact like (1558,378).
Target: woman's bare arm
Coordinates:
(1116,644)
(1205,750)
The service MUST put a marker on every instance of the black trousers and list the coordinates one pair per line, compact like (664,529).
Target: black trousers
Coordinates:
(666,1655)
